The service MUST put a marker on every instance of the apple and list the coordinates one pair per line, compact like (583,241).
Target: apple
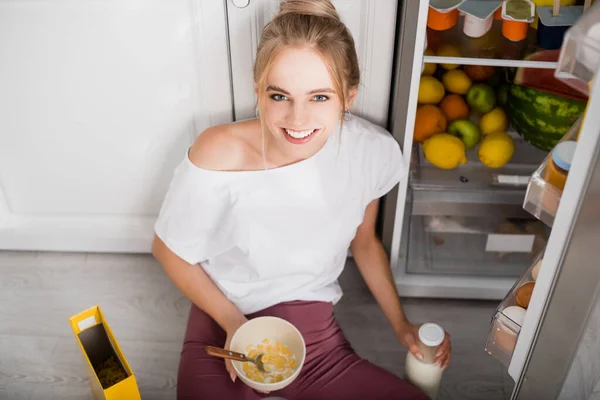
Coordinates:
(467,131)
(481,98)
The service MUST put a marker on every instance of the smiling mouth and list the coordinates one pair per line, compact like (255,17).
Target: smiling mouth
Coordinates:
(300,134)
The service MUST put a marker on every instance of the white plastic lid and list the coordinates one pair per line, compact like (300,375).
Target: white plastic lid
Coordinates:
(563,153)
(431,334)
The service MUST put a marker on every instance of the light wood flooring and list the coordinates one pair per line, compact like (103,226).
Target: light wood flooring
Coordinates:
(39,358)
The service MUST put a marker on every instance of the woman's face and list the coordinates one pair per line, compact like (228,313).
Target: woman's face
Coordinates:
(301,107)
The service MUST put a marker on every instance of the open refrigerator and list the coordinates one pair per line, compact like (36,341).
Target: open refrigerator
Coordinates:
(481,233)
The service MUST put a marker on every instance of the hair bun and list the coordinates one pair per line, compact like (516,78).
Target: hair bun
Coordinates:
(318,8)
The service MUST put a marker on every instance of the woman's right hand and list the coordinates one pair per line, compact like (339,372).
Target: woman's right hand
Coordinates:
(230,331)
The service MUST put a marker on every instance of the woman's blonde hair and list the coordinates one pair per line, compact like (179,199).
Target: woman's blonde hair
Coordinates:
(316,24)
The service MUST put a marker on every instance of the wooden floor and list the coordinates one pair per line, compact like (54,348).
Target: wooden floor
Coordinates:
(39,358)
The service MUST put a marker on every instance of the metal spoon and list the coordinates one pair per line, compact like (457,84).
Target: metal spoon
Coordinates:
(232,355)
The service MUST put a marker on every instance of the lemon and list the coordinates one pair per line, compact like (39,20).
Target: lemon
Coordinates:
(494,121)
(431,91)
(457,81)
(448,50)
(496,149)
(445,151)
(429,68)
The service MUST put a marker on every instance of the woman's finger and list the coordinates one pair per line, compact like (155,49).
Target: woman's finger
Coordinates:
(414,349)
(443,348)
(447,361)
(229,368)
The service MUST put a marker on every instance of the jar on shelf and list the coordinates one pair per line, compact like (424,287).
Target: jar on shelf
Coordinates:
(559,164)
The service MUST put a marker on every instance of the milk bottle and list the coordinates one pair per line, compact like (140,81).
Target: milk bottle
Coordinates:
(426,375)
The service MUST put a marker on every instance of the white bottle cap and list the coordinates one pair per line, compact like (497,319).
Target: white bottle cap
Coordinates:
(431,334)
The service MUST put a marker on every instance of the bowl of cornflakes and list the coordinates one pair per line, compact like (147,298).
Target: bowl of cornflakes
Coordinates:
(282,347)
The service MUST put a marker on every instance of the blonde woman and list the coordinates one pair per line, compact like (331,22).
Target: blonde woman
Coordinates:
(260,214)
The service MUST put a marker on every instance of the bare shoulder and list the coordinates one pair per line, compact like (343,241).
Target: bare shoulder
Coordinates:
(228,147)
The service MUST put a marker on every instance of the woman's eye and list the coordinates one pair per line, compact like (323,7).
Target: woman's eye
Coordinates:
(278,97)
(320,97)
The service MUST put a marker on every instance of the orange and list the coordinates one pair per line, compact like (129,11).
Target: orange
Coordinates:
(480,72)
(454,107)
(429,121)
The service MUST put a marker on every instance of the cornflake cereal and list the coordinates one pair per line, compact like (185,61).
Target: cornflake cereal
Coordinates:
(278,359)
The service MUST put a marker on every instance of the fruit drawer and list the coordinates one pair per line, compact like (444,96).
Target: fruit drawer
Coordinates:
(542,199)
(510,314)
(473,246)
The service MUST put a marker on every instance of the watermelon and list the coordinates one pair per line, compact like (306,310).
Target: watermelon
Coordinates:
(541,118)
(544,79)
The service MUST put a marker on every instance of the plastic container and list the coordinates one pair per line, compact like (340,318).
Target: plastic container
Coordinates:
(516,28)
(425,374)
(441,21)
(580,53)
(559,164)
(479,16)
(443,14)
(552,29)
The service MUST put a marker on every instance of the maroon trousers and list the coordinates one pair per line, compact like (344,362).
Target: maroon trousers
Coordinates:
(331,371)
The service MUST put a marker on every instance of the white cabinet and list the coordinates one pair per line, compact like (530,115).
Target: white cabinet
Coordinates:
(99,101)
(373,25)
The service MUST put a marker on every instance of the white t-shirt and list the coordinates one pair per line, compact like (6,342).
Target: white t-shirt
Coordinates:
(282,234)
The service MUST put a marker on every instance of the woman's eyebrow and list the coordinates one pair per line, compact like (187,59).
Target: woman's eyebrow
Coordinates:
(322,90)
(274,88)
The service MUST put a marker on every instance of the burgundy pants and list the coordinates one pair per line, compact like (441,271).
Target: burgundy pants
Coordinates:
(331,371)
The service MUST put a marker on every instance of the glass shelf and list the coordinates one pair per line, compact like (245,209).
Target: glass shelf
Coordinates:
(490,49)
(474,176)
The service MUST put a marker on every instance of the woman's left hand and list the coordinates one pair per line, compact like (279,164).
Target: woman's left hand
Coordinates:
(409,336)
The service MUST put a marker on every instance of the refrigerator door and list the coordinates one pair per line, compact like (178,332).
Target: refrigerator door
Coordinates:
(568,284)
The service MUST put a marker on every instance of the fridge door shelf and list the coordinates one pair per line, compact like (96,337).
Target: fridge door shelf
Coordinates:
(490,246)
(504,328)
(542,199)
(580,53)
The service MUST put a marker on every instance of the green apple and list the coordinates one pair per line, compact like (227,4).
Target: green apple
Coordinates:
(481,98)
(467,131)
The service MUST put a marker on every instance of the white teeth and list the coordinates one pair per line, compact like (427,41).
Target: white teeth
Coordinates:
(299,134)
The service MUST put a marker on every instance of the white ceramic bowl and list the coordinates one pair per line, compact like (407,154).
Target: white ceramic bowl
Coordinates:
(255,331)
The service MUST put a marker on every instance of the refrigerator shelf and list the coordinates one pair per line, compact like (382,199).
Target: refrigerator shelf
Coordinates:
(473,189)
(542,199)
(505,328)
(490,49)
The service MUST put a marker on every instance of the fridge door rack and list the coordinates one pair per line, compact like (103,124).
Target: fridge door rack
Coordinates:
(504,329)
(580,55)
(542,199)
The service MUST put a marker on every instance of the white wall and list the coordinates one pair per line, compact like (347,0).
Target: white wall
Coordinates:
(98,102)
